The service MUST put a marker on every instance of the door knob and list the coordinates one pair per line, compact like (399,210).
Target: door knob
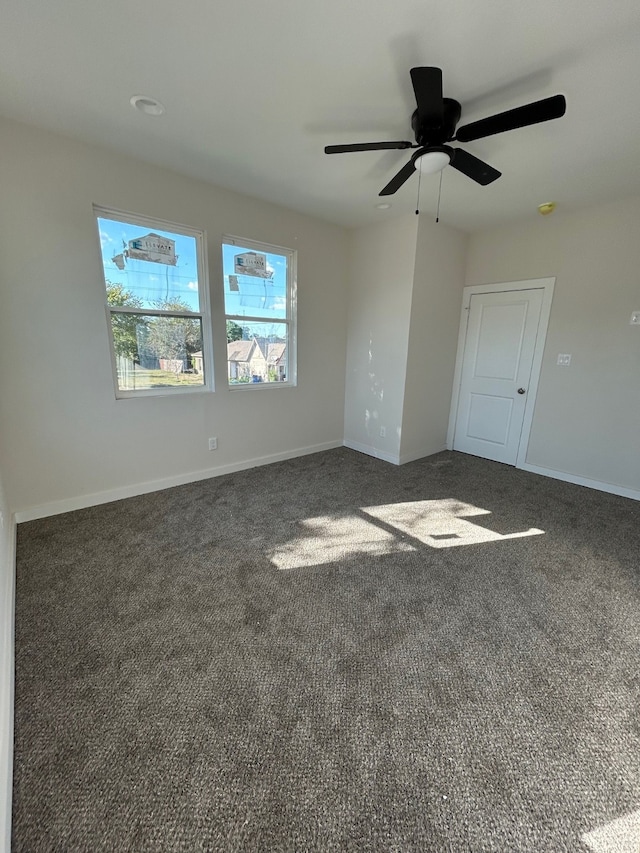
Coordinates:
(521,390)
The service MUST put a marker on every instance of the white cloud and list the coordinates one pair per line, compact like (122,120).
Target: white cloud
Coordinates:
(193,285)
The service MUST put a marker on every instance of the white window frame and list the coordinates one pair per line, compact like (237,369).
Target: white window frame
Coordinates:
(291,311)
(204,315)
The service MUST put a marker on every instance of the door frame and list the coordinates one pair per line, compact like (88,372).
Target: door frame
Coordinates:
(547,286)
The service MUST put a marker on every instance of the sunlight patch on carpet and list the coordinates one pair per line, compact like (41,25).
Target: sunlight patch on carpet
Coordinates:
(618,836)
(328,540)
(387,529)
(441,523)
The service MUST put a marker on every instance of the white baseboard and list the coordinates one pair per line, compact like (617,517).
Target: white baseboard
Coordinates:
(7,658)
(83,501)
(611,488)
(372,451)
(388,457)
(411,457)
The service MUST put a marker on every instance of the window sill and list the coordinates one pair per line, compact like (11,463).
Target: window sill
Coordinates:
(259,386)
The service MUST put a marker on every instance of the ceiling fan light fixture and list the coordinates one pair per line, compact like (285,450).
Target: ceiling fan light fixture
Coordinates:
(432,161)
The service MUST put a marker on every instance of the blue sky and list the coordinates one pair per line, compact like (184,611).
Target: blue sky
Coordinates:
(155,282)
(256,297)
(150,281)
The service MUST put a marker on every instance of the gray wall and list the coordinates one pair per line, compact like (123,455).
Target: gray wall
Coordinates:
(587,415)
(405,284)
(433,338)
(7,541)
(381,270)
(65,436)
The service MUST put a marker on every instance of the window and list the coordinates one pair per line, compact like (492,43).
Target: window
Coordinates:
(157,305)
(259,299)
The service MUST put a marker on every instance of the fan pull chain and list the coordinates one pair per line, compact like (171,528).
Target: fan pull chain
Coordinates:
(439,194)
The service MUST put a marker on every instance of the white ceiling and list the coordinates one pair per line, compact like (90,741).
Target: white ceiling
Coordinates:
(254,91)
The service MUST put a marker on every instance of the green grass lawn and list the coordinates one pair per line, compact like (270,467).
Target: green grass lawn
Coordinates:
(140,379)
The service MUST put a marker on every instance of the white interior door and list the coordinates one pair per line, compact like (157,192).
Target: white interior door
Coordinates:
(501,341)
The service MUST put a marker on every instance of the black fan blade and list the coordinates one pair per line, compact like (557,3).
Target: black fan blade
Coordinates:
(427,86)
(366,146)
(398,180)
(474,168)
(544,110)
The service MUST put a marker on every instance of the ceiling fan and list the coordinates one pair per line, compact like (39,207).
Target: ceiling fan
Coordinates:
(434,124)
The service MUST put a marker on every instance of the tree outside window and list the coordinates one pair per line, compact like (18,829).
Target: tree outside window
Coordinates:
(157,305)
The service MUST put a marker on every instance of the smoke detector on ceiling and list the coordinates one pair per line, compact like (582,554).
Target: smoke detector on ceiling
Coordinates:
(546,208)
(147,105)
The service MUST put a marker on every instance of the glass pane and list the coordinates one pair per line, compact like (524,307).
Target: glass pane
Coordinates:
(149,268)
(157,352)
(257,352)
(255,283)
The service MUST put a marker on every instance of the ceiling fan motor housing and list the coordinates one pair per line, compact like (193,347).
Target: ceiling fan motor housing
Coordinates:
(435,135)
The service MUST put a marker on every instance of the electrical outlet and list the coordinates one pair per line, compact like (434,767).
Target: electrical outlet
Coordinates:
(383,432)
(635,319)
(213,444)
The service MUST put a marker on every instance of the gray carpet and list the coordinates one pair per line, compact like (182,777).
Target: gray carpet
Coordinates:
(331,654)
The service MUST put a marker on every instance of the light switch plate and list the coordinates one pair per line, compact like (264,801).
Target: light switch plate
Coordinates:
(564,358)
